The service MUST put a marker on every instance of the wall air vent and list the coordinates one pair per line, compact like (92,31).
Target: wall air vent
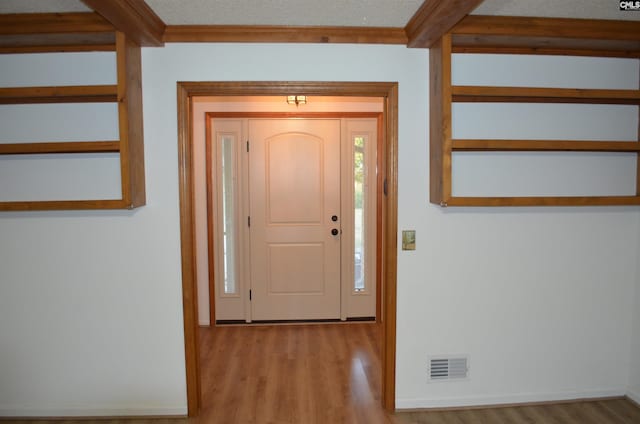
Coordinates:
(448,368)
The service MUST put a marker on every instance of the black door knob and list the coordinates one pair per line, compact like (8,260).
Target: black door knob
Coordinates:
(334,218)
(334,231)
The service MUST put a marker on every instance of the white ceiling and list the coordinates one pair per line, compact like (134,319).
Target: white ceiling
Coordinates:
(389,13)
(42,6)
(580,9)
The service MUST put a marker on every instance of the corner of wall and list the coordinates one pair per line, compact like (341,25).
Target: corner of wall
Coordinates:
(634,396)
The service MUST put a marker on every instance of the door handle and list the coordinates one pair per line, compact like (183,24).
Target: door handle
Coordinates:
(334,231)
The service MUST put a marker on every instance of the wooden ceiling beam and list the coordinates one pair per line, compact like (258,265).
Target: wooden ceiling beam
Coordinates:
(592,29)
(55,32)
(134,18)
(283,34)
(52,23)
(435,18)
(529,35)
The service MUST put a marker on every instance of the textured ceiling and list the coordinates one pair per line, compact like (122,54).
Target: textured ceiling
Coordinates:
(42,6)
(580,9)
(389,13)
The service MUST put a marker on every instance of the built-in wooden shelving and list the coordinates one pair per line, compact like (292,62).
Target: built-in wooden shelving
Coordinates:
(127,94)
(70,94)
(459,145)
(544,201)
(509,35)
(544,95)
(57,147)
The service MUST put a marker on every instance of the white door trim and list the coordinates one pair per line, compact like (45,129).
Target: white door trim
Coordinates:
(347,294)
(359,304)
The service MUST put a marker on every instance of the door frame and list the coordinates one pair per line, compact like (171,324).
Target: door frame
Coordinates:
(378,116)
(386,90)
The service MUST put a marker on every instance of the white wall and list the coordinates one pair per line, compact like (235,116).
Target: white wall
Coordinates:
(41,177)
(634,374)
(90,301)
(90,304)
(540,299)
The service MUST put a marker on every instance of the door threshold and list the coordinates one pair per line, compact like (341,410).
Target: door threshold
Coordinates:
(224,322)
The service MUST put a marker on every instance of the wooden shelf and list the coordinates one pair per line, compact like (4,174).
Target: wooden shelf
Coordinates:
(459,145)
(57,48)
(65,205)
(64,147)
(70,94)
(545,46)
(544,95)
(543,201)
(584,38)
(127,94)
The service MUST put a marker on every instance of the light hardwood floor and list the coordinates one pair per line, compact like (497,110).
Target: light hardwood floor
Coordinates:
(307,374)
(294,374)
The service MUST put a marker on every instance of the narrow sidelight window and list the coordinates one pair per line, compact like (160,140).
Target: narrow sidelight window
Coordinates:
(228,213)
(359,212)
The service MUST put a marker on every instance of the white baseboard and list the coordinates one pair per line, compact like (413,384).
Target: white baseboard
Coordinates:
(471,401)
(53,412)
(634,396)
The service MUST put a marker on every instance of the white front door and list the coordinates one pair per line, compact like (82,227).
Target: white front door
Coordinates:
(294,179)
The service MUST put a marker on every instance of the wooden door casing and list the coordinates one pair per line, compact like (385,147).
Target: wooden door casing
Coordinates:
(388,91)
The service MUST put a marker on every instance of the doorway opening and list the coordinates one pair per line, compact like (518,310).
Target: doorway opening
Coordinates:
(187,91)
(299,239)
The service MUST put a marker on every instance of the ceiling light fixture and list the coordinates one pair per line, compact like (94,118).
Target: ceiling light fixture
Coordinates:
(297,100)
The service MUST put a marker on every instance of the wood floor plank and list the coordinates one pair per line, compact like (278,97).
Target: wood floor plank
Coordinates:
(452,417)
(600,413)
(498,416)
(539,414)
(475,415)
(577,413)
(519,415)
(561,413)
(624,409)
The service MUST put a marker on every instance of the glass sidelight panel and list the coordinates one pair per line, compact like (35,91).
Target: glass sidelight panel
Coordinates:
(359,214)
(227,229)
(359,209)
(228,213)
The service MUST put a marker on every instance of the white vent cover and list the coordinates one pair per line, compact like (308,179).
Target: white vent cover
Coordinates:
(448,368)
